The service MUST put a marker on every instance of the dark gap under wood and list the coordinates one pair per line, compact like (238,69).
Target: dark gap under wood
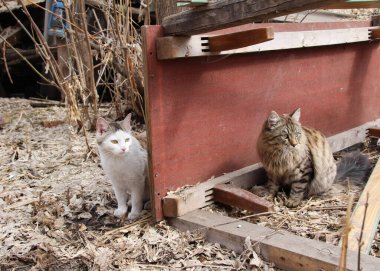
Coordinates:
(375,132)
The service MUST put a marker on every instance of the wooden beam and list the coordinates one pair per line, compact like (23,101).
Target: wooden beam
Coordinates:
(351,137)
(226,13)
(287,251)
(177,204)
(374,33)
(354,4)
(372,217)
(181,47)
(241,198)
(238,39)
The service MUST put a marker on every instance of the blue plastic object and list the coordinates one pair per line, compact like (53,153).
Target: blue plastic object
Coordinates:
(57,25)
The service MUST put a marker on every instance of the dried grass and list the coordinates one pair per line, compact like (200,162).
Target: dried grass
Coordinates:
(56,207)
(116,48)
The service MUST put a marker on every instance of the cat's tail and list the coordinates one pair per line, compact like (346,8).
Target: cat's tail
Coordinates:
(353,165)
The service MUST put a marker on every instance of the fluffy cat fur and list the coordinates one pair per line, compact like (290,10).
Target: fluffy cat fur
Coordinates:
(300,158)
(124,161)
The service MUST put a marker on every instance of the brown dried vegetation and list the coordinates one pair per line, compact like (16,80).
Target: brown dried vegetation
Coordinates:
(56,207)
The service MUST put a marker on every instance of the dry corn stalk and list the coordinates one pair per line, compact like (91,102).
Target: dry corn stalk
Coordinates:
(116,46)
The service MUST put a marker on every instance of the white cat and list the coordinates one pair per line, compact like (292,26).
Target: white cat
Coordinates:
(124,161)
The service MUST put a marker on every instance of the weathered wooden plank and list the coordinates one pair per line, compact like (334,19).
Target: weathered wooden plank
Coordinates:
(226,13)
(241,198)
(238,39)
(372,189)
(181,47)
(351,137)
(374,33)
(354,4)
(287,251)
(201,195)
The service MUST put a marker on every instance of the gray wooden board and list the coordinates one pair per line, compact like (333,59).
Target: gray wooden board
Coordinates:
(226,13)
(287,251)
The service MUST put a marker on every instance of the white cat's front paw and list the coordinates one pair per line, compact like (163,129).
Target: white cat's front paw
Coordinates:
(133,216)
(148,205)
(120,212)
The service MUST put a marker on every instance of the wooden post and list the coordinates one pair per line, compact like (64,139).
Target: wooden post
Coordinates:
(372,217)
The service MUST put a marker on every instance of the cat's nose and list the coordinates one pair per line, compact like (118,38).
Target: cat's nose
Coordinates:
(293,142)
(123,149)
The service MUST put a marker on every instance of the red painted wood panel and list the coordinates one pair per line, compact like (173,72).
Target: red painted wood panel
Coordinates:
(205,114)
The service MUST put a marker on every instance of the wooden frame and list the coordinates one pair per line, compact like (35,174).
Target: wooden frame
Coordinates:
(218,15)
(195,106)
(201,195)
(287,251)
(185,47)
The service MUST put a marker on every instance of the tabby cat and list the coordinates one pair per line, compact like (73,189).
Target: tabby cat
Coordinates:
(125,163)
(300,159)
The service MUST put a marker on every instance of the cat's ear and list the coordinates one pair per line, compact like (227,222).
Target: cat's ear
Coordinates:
(126,123)
(296,115)
(101,126)
(273,119)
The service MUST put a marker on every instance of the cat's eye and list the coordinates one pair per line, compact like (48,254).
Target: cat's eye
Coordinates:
(114,141)
(127,139)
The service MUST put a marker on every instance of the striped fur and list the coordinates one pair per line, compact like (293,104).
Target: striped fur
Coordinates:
(299,158)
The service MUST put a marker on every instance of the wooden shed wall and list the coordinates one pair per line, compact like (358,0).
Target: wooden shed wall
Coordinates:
(205,113)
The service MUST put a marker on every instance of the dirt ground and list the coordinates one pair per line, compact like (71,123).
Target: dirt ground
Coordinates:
(56,207)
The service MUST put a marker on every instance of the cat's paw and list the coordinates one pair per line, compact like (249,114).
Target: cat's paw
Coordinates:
(133,216)
(120,212)
(148,205)
(291,203)
(271,197)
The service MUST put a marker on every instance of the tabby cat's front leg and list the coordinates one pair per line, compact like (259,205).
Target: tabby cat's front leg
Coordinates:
(273,188)
(297,193)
